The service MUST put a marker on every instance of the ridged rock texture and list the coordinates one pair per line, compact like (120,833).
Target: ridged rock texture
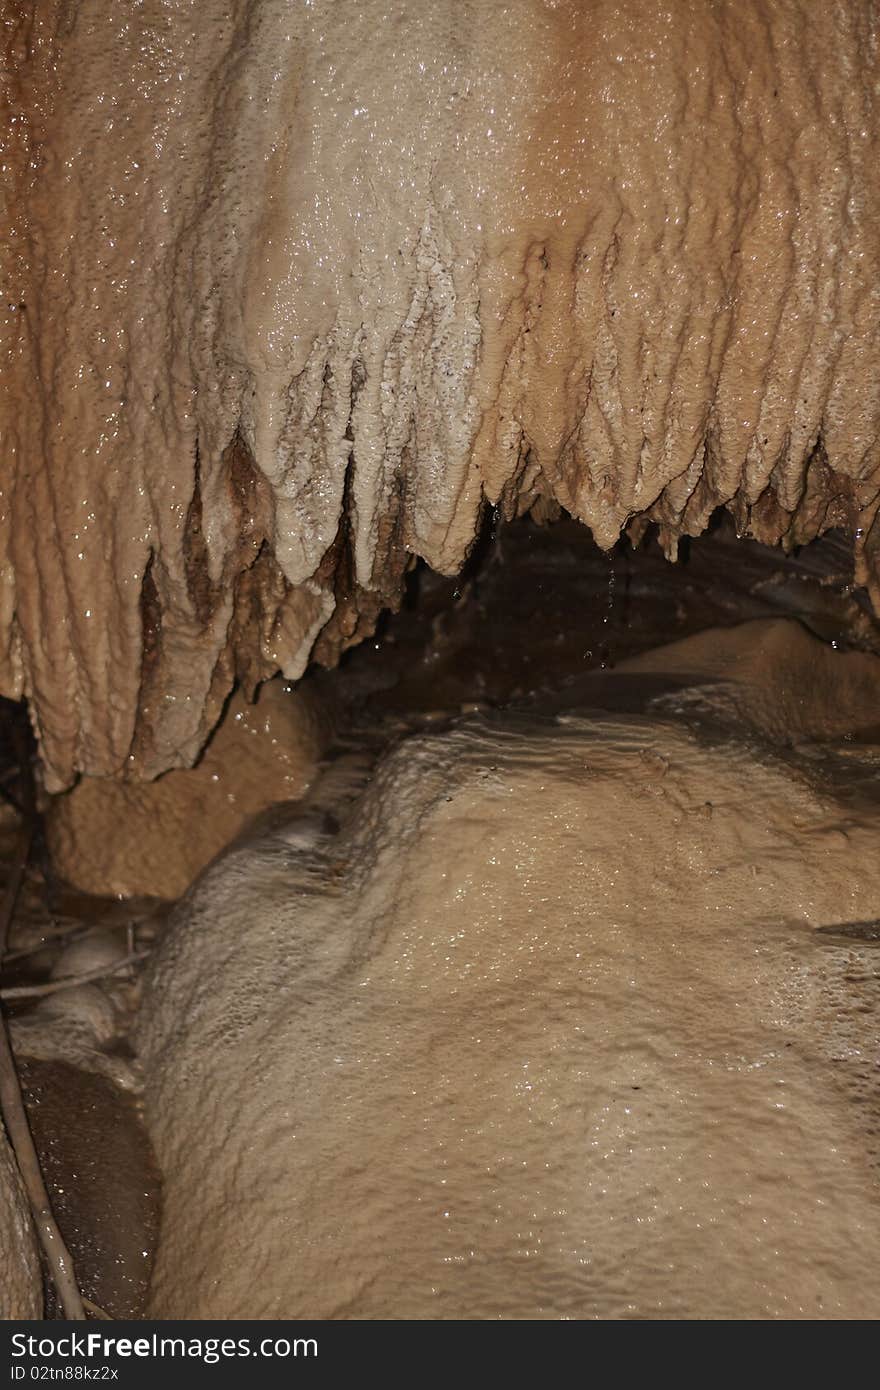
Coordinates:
(546,1031)
(292,293)
(21,1294)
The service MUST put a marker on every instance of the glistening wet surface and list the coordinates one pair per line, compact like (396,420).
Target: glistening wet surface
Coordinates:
(101,1178)
(563,1031)
(542,622)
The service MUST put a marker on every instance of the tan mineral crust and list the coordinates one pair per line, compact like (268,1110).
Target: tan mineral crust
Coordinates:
(116,838)
(291,293)
(548,1031)
(773,677)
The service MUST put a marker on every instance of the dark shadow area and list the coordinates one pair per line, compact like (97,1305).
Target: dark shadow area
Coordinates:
(539,606)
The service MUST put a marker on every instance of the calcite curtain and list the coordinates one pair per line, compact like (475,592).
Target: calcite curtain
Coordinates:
(292,292)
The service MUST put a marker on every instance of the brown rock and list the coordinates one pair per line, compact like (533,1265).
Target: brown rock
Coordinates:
(774,676)
(152,838)
(295,291)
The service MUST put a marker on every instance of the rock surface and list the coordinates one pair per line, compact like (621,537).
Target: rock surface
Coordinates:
(101,1182)
(113,838)
(293,293)
(547,1031)
(773,677)
(21,1287)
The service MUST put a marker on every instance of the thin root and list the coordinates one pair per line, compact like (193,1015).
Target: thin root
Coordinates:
(15,1118)
(96,1312)
(69,981)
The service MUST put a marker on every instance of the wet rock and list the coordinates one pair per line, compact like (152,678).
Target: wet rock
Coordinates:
(21,1294)
(769,675)
(370,270)
(532,1036)
(111,838)
(101,1178)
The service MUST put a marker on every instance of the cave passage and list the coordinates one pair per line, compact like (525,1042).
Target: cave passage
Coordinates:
(439,658)
(771,658)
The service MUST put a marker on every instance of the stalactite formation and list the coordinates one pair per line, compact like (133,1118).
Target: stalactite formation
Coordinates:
(291,294)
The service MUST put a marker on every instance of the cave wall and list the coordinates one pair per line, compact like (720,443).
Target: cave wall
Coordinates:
(292,293)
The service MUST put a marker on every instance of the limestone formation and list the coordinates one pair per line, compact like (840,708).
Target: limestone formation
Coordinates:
(122,838)
(549,1030)
(771,676)
(292,294)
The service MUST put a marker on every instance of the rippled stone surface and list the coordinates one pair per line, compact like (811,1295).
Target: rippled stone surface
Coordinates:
(293,292)
(547,1030)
